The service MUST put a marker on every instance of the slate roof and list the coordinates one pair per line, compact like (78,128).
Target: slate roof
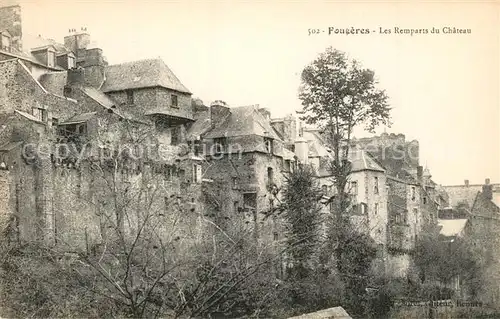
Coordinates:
(34,42)
(451,227)
(98,96)
(362,160)
(201,125)
(29,117)
(243,120)
(462,193)
(141,74)
(79,118)
(316,144)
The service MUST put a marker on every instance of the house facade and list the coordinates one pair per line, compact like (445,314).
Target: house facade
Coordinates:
(72,125)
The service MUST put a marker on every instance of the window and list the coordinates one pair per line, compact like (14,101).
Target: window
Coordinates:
(235,182)
(376,185)
(380,250)
(415,212)
(355,209)
(5,42)
(55,121)
(376,209)
(364,208)
(38,113)
(269,145)
(175,135)
(286,165)
(324,190)
(425,200)
(270,176)
(182,175)
(275,236)
(197,148)
(169,171)
(236,206)
(405,217)
(51,58)
(71,62)
(398,218)
(354,188)
(196,173)
(413,193)
(174,101)
(220,144)
(130,97)
(166,202)
(250,201)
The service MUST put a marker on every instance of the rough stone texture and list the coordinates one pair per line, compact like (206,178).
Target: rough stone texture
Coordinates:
(155,100)
(483,234)
(10,19)
(467,193)
(5,199)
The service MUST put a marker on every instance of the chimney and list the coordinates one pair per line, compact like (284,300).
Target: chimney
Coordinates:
(219,111)
(420,174)
(466,182)
(289,128)
(488,189)
(302,150)
(77,43)
(75,78)
(94,64)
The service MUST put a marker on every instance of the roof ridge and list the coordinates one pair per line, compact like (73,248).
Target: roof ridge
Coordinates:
(135,61)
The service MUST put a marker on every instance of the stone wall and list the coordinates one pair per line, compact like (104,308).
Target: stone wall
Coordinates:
(483,234)
(19,91)
(148,99)
(10,19)
(393,151)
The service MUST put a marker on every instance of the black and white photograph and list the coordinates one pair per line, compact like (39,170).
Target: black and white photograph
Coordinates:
(238,159)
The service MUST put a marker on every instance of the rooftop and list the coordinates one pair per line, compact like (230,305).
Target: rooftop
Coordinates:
(243,120)
(141,74)
(452,227)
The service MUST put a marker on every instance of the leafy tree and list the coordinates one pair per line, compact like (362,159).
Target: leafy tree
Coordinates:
(337,95)
(302,214)
(441,260)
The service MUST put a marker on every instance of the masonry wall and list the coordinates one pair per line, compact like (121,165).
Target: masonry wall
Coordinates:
(10,19)
(19,91)
(148,99)
(235,175)
(483,235)
(400,233)
(5,198)
(393,151)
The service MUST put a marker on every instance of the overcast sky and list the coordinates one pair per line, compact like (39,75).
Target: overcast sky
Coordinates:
(444,88)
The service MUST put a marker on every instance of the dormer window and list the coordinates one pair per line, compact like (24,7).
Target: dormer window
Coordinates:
(130,97)
(269,145)
(174,101)
(71,62)
(51,58)
(6,42)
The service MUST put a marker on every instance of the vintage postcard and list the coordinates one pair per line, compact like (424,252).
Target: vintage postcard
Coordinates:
(236,159)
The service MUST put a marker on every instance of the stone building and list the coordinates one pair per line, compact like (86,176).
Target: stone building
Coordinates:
(72,123)
(245,162)
(413,198)
(477,205)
